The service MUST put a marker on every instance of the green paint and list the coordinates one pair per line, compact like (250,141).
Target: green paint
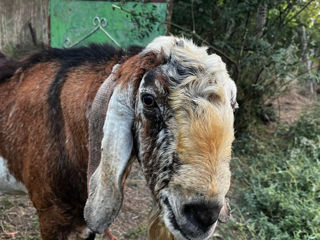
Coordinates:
(73,20)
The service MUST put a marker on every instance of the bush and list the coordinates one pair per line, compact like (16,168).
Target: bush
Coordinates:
(261,43)
(278,184)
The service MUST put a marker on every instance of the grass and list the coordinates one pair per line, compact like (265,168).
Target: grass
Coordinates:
(136,233)
(277,179)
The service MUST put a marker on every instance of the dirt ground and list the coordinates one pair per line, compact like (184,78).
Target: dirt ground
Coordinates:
(18,219)
(291,105)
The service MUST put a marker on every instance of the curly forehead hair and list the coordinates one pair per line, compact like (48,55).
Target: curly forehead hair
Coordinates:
(193,71)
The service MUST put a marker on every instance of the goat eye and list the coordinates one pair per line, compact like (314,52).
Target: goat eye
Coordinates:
(148,100)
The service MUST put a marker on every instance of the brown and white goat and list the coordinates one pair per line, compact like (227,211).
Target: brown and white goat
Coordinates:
(73,120)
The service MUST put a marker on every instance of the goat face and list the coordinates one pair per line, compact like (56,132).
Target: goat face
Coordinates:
(182,121)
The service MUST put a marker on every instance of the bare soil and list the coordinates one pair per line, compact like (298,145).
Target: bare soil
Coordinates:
(291,105)
(19,221)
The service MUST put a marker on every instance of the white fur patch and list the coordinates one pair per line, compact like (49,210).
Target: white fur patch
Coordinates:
(162,43)
(186,53)
(117,140)
(8,184)
(105,187)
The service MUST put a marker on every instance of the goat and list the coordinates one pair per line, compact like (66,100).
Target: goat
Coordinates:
(73,121)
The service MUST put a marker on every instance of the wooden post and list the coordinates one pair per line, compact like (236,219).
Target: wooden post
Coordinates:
(23,24)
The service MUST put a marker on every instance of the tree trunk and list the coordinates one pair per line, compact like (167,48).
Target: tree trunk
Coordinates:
(306,58)
(262,12)
(23,24)
(230,29)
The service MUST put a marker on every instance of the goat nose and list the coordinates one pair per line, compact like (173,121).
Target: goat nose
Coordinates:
(202,215)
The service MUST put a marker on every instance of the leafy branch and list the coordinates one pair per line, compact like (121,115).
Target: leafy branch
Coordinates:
(186,31)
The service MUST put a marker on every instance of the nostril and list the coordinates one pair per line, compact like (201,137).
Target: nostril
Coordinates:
(203,215)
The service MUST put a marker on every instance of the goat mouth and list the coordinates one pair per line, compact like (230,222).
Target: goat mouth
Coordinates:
(172,218)
(183,230)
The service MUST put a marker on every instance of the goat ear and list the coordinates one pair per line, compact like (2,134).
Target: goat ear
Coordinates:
(106,173)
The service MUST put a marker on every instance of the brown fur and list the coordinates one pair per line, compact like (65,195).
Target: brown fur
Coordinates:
(134,68)
(26,141)
(31,154)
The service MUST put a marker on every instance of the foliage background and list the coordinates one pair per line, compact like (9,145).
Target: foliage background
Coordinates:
(261,44)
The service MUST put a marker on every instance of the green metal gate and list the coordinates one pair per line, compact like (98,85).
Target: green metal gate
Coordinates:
(77,23)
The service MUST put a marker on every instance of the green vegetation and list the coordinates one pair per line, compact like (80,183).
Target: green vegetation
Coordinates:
(136,233)
(276,180)
(262,43)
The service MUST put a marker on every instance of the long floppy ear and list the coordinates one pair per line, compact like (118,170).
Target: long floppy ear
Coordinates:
(107,167)
(110,149)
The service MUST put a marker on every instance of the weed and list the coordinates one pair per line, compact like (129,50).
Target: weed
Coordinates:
(136,232)
(277,178)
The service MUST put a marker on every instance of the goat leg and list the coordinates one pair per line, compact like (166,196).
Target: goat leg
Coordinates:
(109,235)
